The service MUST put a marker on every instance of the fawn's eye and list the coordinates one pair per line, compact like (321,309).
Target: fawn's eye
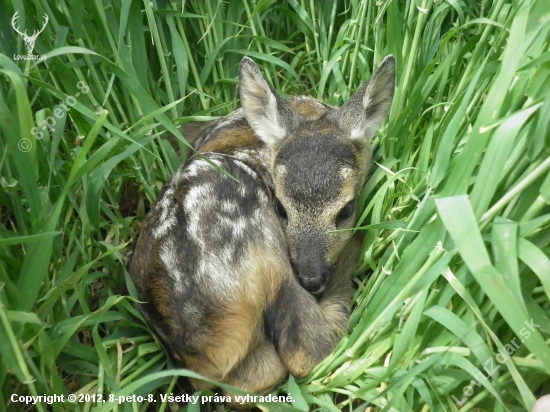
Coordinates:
(280,210)
(346,212)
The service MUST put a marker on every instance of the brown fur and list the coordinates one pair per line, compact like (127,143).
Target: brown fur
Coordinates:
(246,281)
(232,141)
(192,130)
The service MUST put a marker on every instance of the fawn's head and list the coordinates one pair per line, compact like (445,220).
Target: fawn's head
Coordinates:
(319,163)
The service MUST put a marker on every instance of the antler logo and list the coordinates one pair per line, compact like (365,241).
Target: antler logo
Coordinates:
(29,40)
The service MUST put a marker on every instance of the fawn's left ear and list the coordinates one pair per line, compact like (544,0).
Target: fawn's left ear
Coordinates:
(365,111)
(267,113)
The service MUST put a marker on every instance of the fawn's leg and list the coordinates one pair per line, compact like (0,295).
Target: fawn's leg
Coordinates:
(259,373)
(305,331)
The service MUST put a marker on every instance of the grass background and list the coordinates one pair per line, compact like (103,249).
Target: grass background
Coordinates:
(456,211)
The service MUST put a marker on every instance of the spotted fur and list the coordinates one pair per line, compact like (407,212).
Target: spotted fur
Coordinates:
(245,280)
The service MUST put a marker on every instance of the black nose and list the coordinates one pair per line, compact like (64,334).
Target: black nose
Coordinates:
(312,285)
(309,265)
(311,278)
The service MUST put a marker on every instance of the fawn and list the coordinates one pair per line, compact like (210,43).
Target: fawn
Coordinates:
(247,280)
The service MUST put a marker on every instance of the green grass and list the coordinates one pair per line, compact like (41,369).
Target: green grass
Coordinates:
(457,207)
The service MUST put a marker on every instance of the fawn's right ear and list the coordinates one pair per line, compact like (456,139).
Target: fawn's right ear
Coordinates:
(267,113)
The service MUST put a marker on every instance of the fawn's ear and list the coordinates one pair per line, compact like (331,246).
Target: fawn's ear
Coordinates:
(365,111)
(267,113)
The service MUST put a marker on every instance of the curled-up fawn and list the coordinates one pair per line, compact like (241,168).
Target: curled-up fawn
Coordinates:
(247,280)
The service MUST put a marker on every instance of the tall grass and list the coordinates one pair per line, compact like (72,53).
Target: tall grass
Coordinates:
(454,272)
